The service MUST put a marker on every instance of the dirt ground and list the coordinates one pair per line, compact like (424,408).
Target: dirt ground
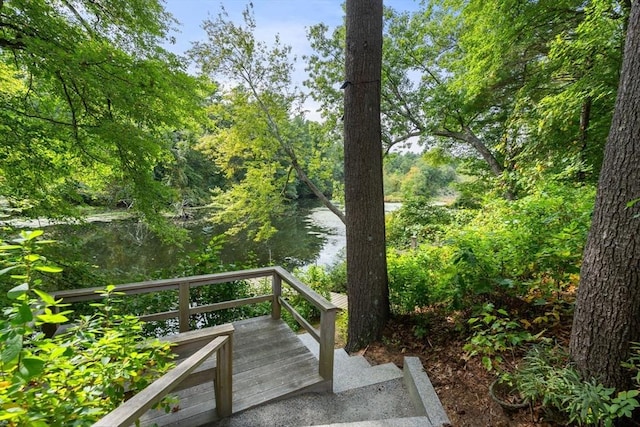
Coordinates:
(462,385)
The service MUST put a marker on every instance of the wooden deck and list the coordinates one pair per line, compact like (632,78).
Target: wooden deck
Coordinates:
(269,363)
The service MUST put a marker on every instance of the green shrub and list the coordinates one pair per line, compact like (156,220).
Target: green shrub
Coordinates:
(317,279)
(79,376)
(420,218)
(512,248)
(528,249)
(548,377)
(338,275)
(494,333)
(408,282)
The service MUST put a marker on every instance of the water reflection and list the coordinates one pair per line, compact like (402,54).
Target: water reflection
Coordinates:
(128,248)
(309,235)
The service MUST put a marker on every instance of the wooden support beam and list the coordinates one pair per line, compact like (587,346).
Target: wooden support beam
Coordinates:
(223,384)
(184,305)
(327,344)
(276,290)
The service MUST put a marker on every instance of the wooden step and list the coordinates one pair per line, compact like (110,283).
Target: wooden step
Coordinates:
(269,363)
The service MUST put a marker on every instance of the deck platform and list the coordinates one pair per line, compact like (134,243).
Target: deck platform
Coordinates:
(269,363)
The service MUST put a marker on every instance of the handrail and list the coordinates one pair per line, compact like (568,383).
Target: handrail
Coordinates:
(325,335)
(89,294)
(131,410)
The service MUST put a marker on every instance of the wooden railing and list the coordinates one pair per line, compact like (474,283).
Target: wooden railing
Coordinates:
(126,414)
(324,335)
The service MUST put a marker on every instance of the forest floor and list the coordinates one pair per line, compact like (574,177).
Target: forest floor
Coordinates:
(461,383)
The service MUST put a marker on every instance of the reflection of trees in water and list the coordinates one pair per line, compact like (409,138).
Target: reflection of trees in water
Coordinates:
(139,233)
(124,247)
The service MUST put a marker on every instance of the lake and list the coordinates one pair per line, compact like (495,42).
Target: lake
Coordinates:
(311,235)
(124,247)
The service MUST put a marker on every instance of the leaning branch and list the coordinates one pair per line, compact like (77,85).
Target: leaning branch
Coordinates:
(292,156)
(470,138)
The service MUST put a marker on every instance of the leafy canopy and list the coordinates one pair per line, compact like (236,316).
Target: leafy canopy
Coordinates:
(89,98)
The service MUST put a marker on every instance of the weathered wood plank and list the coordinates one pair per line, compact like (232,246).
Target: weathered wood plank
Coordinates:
(258,381)
(301,384)
(326,341)
(269,362)
(87,294)
(186,343)
(301,320)
(230,304)
(309,294)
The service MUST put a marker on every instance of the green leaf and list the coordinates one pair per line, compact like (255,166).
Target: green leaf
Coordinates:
(53,318)
(48,268)
(46,242)
(13,347)
(45,297)
(6,270)
(9,413)
(632,202)
(24,315)
(631,393)
(30,235)
(18,291)
(486,362)
(32,257)
(32,367)
(9,247)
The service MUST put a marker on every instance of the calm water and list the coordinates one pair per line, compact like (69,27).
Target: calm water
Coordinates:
(310,235)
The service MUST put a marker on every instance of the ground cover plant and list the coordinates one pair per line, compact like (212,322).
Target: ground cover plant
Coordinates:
(78,376)
(477,299)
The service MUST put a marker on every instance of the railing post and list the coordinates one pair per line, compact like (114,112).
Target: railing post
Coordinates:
(327,344)
(50,329)
(184,306)
(223,386)
(276,290)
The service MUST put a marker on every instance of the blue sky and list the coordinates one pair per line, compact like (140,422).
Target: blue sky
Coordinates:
(288,18)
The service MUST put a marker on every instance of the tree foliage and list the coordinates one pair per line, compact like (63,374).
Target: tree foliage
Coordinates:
(78,376)
(524,86)
(258,135)
(89,99)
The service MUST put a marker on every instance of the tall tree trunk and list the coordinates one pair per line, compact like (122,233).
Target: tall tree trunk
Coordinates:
(607,317)
(364,197)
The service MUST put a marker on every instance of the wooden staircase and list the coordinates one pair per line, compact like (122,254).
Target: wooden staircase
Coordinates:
(249,362)
(269,363)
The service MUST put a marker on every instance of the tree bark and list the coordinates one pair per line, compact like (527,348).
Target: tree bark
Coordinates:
(364,197)
(607,316)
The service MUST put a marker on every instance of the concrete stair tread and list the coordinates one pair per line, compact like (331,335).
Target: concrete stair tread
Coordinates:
(393,422)
(376,402)
(350,372)
(359,377)
(349,362)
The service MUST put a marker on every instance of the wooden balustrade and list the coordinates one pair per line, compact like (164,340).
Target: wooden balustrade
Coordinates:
(325,335)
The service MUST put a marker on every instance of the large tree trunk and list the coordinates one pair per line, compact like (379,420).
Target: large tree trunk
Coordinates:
(364,197)
(607,317)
